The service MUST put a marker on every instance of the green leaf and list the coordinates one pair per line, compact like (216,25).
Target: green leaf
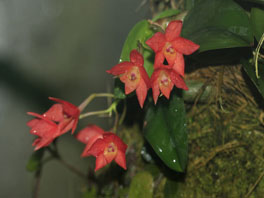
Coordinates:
(34,161)
(255,1)
(257,22)
(165,14)
(119,90)
(250,70)
(189,4)
(139,34)
(215,24)
(166,132)
(141,185)
(90,193)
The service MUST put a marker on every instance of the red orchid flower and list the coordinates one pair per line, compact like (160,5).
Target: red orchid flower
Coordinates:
(44,128)
(163,79)
(134,75)
(59,119)
(171,46)
(105,146)
(88,136)
(64,111)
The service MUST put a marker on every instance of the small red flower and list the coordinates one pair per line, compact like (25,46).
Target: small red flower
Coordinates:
(163,79)
(59,119)
(134,75)
(88,136)
(105,146)
(171,46)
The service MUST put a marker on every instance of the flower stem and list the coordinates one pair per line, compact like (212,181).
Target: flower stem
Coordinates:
(91,97)
(37,184)
(109,110)
(56,155)
(72,168)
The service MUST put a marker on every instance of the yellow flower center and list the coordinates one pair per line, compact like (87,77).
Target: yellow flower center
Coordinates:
(168,49)
(110,152)
(133,74)
(164,79)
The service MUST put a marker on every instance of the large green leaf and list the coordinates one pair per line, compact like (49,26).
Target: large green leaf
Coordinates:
(250,70)
(141,185)
(166,132)
(217,24)
(255,1)
(257,22)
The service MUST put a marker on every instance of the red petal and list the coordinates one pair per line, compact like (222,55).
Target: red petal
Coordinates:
(55,113)
(121,159)
(170,58)
(89,132)
(184,46)
(159,59)
(97,148)
(136,58)
(74,125)
(144,76)
(173,30)
(141,92)
(32,123)
(130,86)
(41,117)
(100,162)
(156,42)
(166,90)
(178,65)
(178,81)
(68,108)
(155,85)
(120,68)
(43,128)
(41,142)
(111,137)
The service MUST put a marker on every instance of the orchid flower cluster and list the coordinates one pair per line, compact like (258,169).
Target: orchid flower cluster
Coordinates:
(107,146)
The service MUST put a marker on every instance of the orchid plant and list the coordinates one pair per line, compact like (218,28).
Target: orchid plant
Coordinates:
(153,65)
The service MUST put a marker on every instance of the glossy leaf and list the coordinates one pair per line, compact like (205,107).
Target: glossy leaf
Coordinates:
(261,2)
(257,22)
(165,14)
(215,24)
(34,161)
(165,130)
(141,185)
(189,4)
(250,70)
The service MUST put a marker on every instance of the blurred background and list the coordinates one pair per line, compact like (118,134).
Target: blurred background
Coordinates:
(58,48)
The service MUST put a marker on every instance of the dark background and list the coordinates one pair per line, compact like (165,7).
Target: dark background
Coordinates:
(58,48)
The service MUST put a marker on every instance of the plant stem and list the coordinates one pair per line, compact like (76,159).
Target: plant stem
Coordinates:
(91,97)
(37,184)
(108,110)
(72,168)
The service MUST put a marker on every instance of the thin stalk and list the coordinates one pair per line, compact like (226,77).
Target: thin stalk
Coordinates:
(257,54)
(91,97)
